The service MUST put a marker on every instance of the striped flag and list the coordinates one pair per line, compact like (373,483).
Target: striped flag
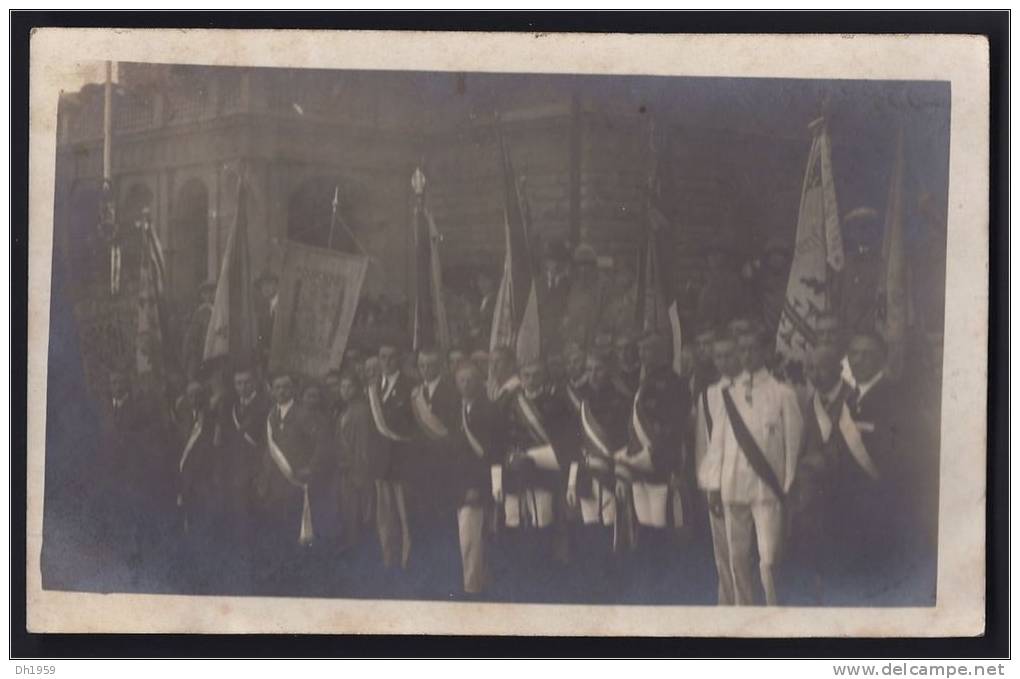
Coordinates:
(430,324)
(656,307)
(149,344)
(232,328)
(892,304)
(515,315)
(817,257)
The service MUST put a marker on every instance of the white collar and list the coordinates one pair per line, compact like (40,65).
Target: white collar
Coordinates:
(864,387)
(285,408)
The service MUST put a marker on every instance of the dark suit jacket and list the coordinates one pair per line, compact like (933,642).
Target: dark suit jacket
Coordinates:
(560,422)
(297,440)
(665,406)
(468,470)
(243,437)
(391,462)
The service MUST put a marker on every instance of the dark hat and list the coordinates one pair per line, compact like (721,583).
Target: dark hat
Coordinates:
(585,254)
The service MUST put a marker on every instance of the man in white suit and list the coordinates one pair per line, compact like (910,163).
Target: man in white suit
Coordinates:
(755,445)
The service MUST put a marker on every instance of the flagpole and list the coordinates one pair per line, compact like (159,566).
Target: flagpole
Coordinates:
(332,219)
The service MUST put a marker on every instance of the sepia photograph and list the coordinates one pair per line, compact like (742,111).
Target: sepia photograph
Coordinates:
(494,337)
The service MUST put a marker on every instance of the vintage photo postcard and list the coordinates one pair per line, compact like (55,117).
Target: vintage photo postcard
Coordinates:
(507,334)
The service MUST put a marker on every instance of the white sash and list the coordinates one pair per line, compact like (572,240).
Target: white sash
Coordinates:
(196,431)
(377,415)
(430,424)
(532,417)
(476,446)
(543,455)
(237,424)
(307,534)
(822,417)
(643,460)
(573,397)
(595,461)
(852,436)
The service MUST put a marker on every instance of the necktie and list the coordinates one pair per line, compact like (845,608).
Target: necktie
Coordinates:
(749,387)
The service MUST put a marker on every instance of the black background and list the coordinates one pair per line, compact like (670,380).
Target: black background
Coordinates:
(994,25)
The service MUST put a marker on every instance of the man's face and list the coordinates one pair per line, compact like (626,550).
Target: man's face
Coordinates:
(468,382)
(597,371)
(532,377)
(118,386)
(752,353)
(196,396)
(725,357)
(823,369)
(389,361)
(283,389)
(865,357)
(207,295)
(268,288)
(827,331)
(455,357)
(348,389)
(501,363)
(428,366)
(703,347)
(244,385)
(312,398)
(575,364)
(651,353)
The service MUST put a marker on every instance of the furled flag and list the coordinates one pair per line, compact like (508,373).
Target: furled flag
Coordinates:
(818,255)
(892,304)
(149,344)
(430,324)
(656,307)
(515,314)
(232,327)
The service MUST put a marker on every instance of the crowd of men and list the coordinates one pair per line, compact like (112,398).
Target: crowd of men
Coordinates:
(601,454)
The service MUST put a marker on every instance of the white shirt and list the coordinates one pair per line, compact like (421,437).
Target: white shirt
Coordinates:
(284,408)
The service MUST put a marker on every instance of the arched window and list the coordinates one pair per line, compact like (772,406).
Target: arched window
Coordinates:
(310,212)
(190,236)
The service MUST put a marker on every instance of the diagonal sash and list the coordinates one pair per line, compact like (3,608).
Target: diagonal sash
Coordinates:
(575,400)
(237,424)
(475,444)
(196,431)
(600,457)
(754,455)
(854,442)
(426,419)
(375,405)
(544,454)
(307,534)
(642,461)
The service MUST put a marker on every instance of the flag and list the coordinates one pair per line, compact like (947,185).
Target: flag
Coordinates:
(892,305)
(515,315)
(817,256)
(656,307)
(319,291)
(149,343)
(430,324)
(232,328)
